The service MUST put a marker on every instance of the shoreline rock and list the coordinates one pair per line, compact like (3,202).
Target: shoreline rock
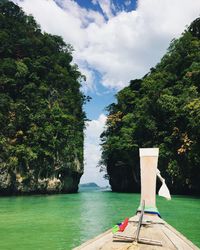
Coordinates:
(17,185)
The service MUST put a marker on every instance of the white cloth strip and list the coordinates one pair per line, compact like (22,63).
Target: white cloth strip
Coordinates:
(164,190)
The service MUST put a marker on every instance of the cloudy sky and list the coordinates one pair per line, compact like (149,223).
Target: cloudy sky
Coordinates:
(114,41)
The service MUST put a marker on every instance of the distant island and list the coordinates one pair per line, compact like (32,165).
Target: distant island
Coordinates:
(90,184)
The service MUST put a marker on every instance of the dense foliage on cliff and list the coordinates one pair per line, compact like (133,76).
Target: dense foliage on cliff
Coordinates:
(41,116)
(160,110)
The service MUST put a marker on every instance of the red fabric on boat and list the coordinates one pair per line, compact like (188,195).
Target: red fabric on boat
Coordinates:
(123,225)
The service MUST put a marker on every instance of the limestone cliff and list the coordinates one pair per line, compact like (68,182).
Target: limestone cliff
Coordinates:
(41,108)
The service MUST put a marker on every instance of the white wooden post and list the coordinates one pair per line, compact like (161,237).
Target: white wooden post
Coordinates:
(148,168)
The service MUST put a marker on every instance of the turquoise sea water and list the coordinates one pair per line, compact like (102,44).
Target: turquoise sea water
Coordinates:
(61,222)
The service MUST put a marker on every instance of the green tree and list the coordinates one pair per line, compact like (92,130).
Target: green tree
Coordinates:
(41,114)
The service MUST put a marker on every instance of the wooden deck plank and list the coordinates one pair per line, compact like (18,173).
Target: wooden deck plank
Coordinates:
(96,242)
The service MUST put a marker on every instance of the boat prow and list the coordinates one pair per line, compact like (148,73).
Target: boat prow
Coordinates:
(154,234)
(145,230)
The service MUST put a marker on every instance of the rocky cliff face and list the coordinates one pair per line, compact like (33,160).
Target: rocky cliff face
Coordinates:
(124,177)
(14,183)
(41,109)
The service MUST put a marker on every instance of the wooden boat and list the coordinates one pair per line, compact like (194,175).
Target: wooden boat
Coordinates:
(145,230)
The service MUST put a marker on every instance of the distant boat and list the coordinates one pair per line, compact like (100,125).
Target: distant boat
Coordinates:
(145,230)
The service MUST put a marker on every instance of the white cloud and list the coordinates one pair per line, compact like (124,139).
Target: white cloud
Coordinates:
(129,44)
(107,7)
(122,48)
(85,16)
(87,85)
(92,153)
